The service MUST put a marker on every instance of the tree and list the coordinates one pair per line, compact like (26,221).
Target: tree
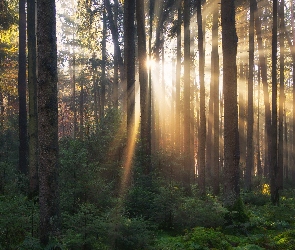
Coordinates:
(281,97)
(186,95)
(23,138)
(274,170)
(144,88)
(47,119)
(202,129)
(215,80)
(250,120)
(231,134)
(263,66)
(32,85)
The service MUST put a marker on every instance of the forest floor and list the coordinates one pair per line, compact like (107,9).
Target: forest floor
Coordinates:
(267,227)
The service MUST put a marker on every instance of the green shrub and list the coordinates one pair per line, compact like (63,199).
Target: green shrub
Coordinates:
(194,212)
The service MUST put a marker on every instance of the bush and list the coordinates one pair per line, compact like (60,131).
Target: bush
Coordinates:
(194,212)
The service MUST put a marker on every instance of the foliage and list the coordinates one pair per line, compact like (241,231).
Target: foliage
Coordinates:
(18,218)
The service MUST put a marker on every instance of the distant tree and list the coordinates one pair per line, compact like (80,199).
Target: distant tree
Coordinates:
(231,134)
(281,148)
(250,118)
(263,67)
(32,85)
(47,119)
(23,137)
(186,96)
(202,128)
(215,80)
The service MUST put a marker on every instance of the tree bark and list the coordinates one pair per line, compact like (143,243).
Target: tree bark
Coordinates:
(48,120)
(274,170)
(202,128)
(215,79)
(144,87)
(32,84)
(231,134)
(250,120)
(23,137)
(186,96)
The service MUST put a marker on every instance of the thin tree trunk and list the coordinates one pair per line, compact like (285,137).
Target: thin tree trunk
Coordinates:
(23,137)
(282,99)
(103,65)
(262,61)
(274,170)
(202,128)
(215,76)
(186,95)
(250,120)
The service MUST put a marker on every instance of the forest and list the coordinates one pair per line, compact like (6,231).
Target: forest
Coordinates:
(147,124)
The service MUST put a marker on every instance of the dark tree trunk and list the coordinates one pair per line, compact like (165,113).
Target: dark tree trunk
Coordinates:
(129,59)
(282,99)
(47,120)
(250,120)
(116,63)
(231,134)
(81,110)
(32,84)
(202,128)
(103,65)
(274,170)
(23,137)
(144,88)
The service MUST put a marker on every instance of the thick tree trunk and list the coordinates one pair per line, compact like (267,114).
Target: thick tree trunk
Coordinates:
(47,120)
(231,134)
(32,84)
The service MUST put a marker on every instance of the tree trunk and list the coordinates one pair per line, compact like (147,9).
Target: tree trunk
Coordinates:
(282,99)
(250,120)
(202,128)
(129,58)
(47,120)
(274,170)
(103,65)
(215,80)
(186,96)
(32,84)
(231,134)
(144,88)
(262,61)
(23,138)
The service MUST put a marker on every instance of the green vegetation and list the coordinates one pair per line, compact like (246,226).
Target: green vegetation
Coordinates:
(96,214)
